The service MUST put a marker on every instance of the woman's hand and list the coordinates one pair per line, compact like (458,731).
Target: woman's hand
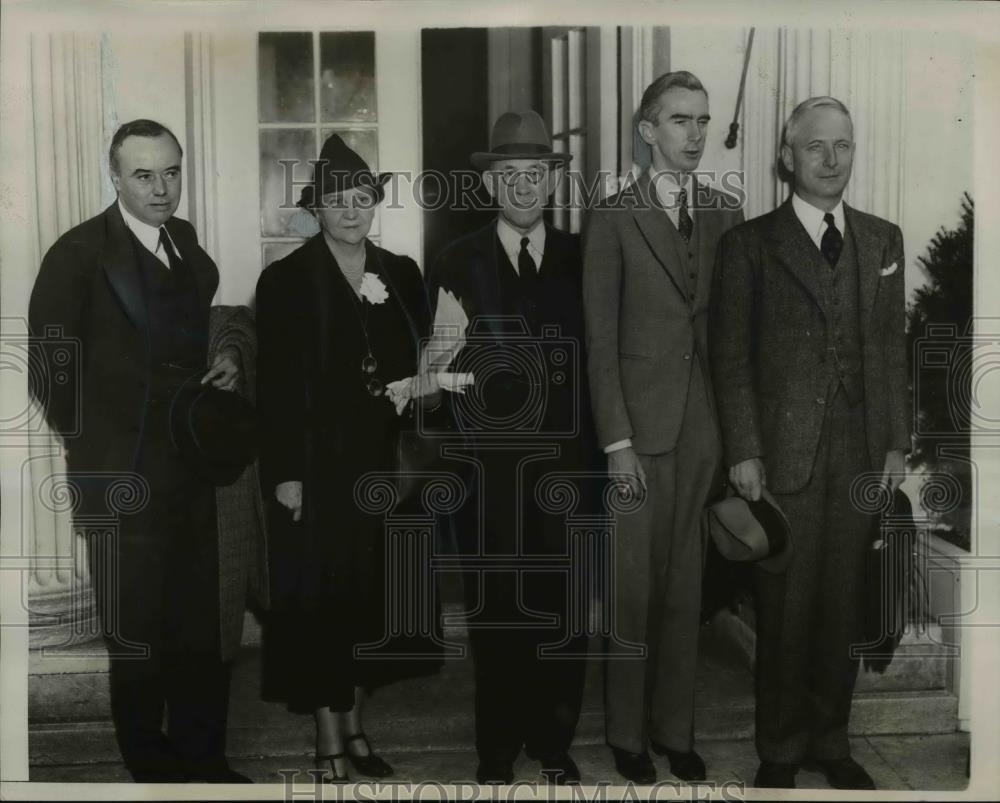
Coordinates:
(289,494)
(425,386)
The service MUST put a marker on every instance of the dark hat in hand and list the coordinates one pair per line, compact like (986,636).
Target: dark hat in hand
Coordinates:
(215,431)
(519,135)
(339,169)
(752,531)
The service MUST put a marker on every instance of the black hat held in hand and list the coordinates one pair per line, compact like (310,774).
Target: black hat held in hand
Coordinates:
(215,431)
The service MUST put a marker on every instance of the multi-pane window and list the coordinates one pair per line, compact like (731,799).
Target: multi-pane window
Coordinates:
(310,84)
(568,59)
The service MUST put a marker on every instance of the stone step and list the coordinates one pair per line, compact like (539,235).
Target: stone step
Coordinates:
(436,712)
(887,713)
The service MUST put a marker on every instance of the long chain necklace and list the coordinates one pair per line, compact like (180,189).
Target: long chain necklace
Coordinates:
(369,365)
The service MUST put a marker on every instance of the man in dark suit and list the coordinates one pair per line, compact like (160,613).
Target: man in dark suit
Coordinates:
(133,288)
(809,360)
(518,281)
(648,256)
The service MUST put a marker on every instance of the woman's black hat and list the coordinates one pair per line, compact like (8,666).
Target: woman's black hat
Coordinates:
(338,169)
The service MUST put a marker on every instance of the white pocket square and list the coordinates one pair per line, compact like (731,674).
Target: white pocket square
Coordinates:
(888,271)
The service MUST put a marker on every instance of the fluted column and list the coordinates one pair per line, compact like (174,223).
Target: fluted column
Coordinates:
(863,69)
(67,184)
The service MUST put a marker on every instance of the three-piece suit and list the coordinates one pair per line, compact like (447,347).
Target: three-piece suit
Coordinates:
(646,294)
(810,372)
(527,417)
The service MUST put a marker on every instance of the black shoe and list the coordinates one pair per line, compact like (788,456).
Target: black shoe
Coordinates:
(213,771)
(636,767)
(495,770)
(221,775)
(844,773)
(332,776)
(686,766)
(772,775)
(157,775)
(559,768)
(371,765)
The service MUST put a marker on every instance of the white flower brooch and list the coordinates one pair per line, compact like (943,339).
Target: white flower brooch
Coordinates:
(372,289)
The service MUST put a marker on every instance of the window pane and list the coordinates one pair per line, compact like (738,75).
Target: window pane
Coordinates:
(278,193)
(285,79)
(347,77)
(364,142)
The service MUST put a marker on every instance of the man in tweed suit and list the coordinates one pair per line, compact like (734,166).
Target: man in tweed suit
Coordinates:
(648,256)
(809,363)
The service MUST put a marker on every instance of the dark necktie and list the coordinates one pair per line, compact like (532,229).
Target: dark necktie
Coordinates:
(168,248)
(684,223)
(525,264)
(832,242)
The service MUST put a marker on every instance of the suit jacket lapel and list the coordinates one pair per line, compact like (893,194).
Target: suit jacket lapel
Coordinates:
(868,251)
(654,225)
(486,278)
(119,263)
(797,252)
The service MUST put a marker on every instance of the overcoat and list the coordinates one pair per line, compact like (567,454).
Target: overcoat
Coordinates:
(310,350)
(90,345)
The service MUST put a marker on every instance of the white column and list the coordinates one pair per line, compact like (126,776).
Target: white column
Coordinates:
(861,68)
(200,150)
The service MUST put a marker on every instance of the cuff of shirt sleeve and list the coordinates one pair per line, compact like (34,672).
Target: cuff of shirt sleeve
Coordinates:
(617,445)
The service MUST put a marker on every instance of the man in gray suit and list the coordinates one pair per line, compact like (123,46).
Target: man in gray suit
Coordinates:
(809,362)
(647,270)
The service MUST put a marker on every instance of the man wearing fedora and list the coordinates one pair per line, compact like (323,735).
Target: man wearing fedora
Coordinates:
(810,366)
(132,287)
(518,281)
(648,256)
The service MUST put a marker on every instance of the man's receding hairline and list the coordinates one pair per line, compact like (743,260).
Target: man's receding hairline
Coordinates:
(794,121)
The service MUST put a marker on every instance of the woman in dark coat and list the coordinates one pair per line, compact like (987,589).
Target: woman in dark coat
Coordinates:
(337,320)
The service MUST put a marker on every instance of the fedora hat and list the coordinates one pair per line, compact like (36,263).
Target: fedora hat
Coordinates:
(338,169)
(518,135)
(748,531)
(215,431)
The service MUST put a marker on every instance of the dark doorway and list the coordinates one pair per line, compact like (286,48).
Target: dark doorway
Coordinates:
(455,80)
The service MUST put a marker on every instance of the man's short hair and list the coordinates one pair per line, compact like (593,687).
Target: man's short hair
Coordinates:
(652,98)
(137,128)
(821,101)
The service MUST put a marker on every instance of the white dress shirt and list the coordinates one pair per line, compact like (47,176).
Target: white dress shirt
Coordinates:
(667,190)
(148,235)
(812,218)
(510,239)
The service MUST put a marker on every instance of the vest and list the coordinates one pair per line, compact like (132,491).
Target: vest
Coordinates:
(843,332)
(549,303)
(178,331)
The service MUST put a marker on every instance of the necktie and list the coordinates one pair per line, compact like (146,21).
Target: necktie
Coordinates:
(684,223)
(832,242)
(525,263)
(168,248)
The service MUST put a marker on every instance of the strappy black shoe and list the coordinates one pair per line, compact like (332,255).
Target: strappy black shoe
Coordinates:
(333,776)
(370,765)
